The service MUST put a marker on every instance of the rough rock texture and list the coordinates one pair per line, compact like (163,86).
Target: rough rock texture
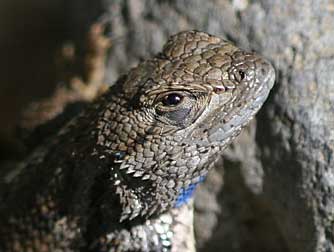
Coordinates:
(277,193)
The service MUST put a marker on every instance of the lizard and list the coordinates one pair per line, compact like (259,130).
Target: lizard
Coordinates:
(120,176)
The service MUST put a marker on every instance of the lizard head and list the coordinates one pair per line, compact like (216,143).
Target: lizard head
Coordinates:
(176,112)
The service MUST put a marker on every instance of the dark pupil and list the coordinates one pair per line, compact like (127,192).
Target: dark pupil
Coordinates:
(172,99)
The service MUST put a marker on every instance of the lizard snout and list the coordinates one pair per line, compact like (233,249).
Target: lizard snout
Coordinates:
(265,74)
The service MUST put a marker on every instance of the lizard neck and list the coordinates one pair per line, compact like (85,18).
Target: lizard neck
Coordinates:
(171,231)
(105,231)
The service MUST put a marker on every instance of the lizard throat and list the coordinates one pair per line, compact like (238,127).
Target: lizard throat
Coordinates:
(186,193)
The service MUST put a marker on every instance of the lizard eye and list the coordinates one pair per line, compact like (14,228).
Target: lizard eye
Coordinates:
(172,99)
(179,107)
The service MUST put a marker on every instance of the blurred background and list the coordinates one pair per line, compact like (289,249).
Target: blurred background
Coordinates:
(30,34)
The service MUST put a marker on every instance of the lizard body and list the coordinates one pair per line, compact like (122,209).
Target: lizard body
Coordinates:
(120,176)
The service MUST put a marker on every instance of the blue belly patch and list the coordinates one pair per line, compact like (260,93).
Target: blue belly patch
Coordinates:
(186,194)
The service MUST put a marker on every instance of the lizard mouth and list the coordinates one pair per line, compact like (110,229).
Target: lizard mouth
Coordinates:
(243,108)
(232,110)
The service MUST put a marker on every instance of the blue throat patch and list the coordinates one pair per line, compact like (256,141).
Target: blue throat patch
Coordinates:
(186,193)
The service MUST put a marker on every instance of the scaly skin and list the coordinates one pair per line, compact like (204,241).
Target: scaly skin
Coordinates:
(119,176)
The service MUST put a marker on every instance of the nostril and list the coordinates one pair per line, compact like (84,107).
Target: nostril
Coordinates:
(242,75)
(239,75)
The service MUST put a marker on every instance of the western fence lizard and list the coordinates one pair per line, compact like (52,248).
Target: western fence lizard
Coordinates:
(120,176)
